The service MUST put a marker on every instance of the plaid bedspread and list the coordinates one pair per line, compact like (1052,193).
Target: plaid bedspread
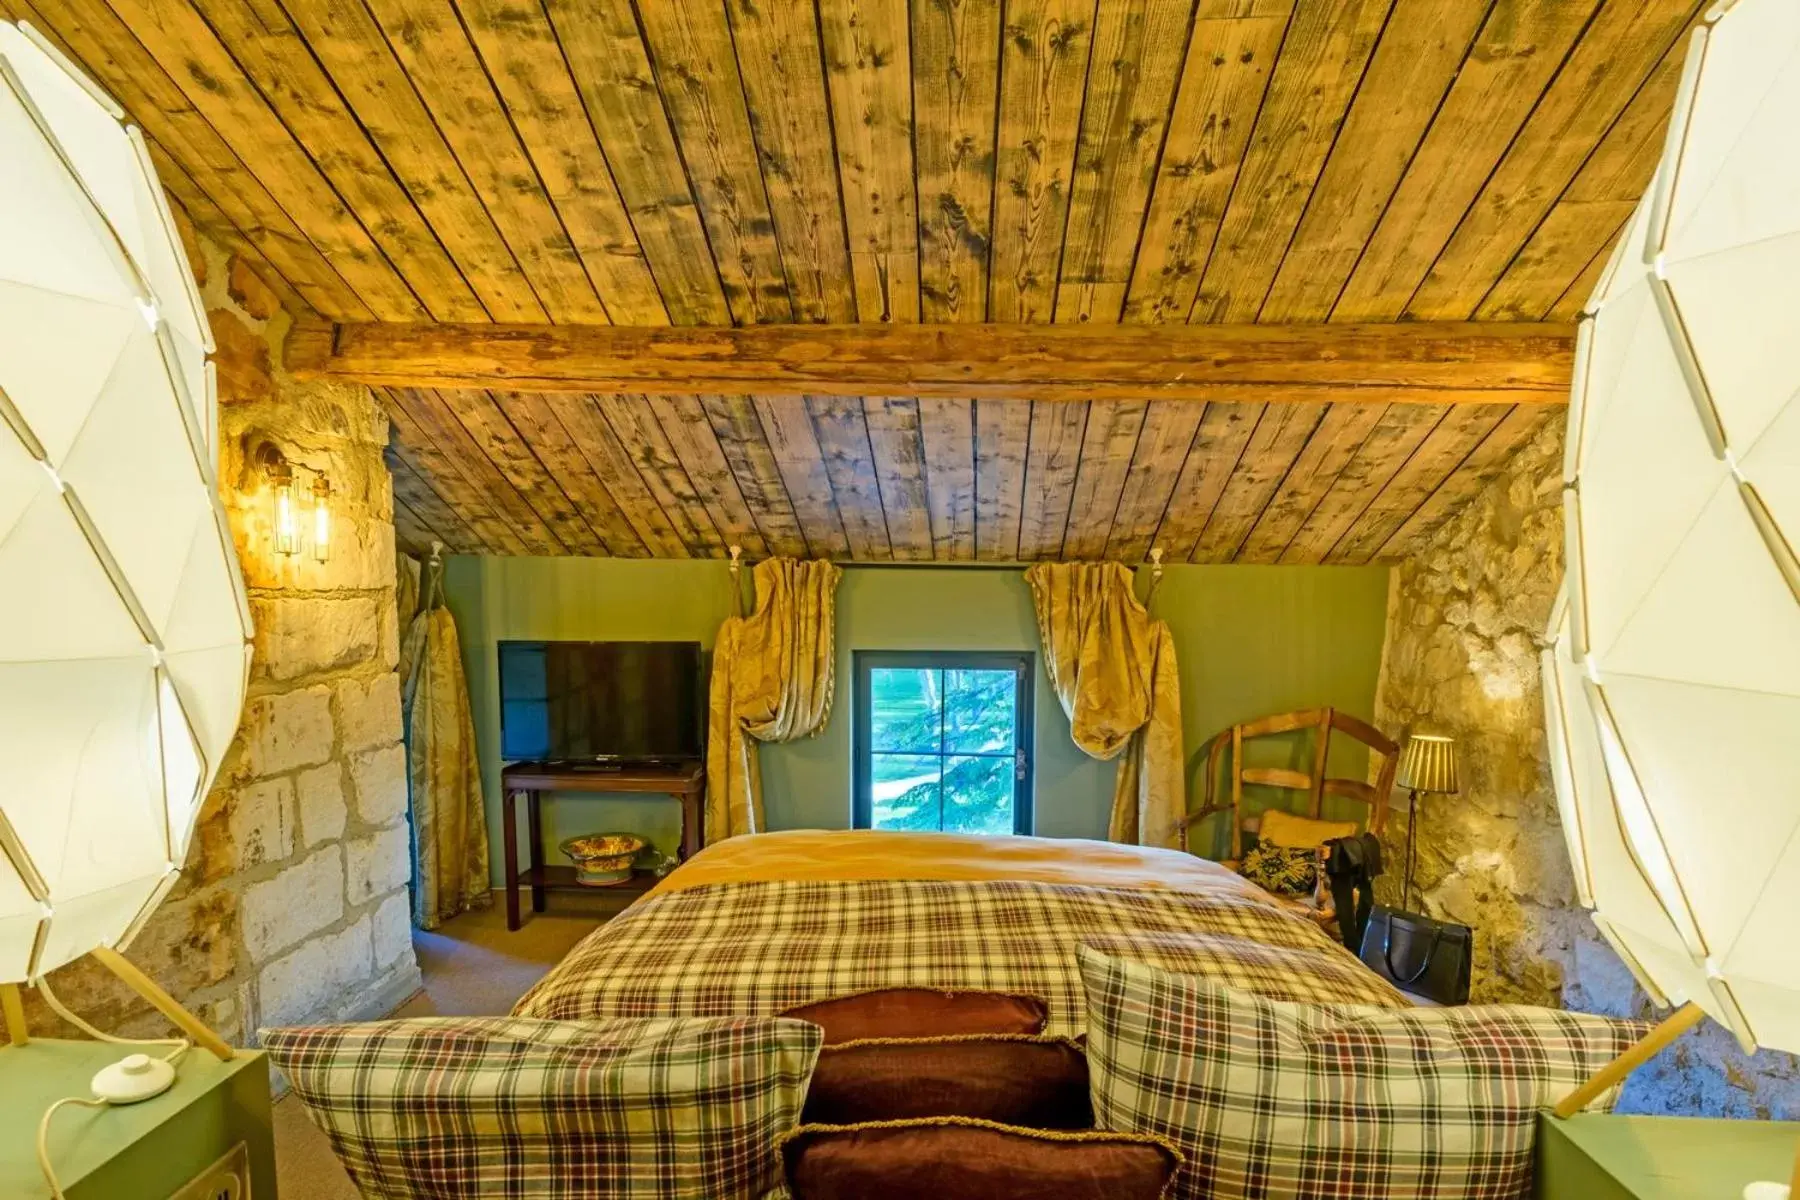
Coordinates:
(753,949)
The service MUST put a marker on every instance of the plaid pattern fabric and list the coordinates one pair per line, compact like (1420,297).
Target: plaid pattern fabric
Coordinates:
(759,948)
(447,1108)
(1269,1099)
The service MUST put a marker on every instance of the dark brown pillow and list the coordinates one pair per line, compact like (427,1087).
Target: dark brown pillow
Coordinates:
(959,1159)
(1015,1079)
(922,1012)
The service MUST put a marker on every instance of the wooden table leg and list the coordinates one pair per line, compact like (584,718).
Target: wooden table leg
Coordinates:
(693,814)
(509,835)
(535,851)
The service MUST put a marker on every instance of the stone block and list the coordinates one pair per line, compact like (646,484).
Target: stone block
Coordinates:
(242,359)
(301,636)
(312,982)
(390,637)
(319,796)
(304,898)
(393,931)
(261,823)
(225,1017)
(362,556)
(368,711)
(285,730)
(348,411)
(378,778)
(362,547)
(254,296)
(188,945)
(212,851)
(378,864)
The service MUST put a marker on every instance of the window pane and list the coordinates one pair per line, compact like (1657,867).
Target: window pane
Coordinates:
(906,791)
(906,709)
(980,710)
(978,795)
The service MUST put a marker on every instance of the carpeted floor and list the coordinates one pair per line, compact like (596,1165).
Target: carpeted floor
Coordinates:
(472,967)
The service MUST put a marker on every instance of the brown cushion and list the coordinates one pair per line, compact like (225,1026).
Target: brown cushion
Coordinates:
(922,1012)
(951,1159)
(1016,1079)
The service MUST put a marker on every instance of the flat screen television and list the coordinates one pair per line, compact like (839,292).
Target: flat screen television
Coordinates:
(601,702)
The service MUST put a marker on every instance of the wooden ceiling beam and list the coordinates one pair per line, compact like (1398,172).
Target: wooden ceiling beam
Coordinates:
(1425,362)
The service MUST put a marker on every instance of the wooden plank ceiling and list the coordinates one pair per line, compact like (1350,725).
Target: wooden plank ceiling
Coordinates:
(736,162)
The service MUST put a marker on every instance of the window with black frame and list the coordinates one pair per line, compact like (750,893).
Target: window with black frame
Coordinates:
(943,741)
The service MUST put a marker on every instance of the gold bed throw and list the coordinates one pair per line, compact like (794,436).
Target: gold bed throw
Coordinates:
(772,679)
(1112,665)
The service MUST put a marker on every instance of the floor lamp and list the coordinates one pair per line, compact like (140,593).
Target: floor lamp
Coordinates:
(125,644)
(1672,674)
(1427,765)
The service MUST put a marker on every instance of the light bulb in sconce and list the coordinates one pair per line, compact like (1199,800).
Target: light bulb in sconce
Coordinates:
(286,518)
(321,519)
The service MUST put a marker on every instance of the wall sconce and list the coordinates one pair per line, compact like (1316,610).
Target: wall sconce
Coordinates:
(321,518)
(286,519)
(285,500)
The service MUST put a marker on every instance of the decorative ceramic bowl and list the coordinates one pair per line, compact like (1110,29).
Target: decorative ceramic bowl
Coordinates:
(603,859)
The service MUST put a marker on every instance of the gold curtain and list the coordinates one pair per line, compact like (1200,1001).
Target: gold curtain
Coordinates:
(1112,665)
(772,680)
(450,841)
(407,573)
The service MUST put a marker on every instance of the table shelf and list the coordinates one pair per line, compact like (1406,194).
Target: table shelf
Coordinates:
(553,878)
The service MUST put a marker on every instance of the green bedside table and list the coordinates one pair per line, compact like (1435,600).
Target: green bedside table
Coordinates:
(147,1151)
(1591,1156)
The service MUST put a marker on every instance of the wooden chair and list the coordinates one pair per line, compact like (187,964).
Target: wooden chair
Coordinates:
(1316,785)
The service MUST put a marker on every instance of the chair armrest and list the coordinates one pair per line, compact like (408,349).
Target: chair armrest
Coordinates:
(1187,821)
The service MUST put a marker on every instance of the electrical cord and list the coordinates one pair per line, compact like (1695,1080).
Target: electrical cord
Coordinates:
(180,1047)
(43,1140)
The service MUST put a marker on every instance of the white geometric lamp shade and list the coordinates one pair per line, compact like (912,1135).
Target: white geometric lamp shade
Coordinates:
(1608,877)
(1678,673)
(124,630)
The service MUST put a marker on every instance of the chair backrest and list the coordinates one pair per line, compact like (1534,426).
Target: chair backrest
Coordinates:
(1316,785)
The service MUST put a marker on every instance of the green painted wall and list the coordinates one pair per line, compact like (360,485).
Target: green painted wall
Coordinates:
(1251,640)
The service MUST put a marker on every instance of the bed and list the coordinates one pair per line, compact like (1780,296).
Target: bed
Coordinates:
(759,924)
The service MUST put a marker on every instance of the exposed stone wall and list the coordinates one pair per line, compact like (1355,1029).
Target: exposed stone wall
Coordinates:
(1464,618)
(293,903)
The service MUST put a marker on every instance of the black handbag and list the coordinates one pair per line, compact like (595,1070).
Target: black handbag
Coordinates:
(1419,954)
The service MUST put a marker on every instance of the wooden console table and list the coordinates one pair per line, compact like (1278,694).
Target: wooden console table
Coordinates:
(686,782)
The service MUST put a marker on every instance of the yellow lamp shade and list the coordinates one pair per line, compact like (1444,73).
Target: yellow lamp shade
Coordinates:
(1428,764)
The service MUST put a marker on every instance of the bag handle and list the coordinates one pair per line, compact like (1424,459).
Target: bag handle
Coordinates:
(1387,954)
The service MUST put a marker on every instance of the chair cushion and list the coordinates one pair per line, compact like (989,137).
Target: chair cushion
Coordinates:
(1283,870)
(1015,1079)
(446,1108)
(1280,828)
(960,1159)
(913,1012)
(1269,1100)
